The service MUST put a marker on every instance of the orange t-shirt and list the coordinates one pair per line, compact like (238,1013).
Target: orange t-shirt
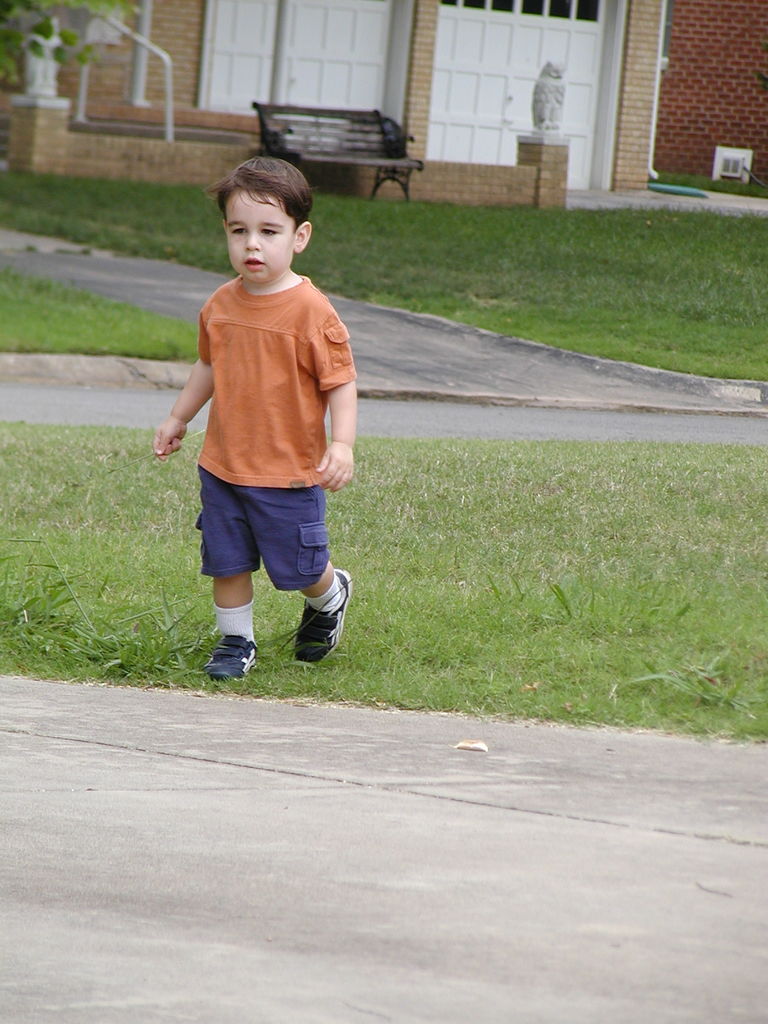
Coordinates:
(274,358)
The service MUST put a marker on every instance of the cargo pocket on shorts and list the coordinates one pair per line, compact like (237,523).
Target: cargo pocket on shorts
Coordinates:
(313,548)
(199,526)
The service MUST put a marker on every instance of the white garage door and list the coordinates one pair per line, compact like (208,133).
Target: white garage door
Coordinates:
(488,56)
(237,69)
(327,52)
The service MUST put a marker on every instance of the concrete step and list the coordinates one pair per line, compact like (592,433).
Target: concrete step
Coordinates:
(154,130)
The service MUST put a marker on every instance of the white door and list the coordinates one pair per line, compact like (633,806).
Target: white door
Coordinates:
(488,56)
(330,53)
(335,53)
(237,68)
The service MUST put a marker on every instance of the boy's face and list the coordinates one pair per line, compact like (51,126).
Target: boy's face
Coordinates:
(262,240)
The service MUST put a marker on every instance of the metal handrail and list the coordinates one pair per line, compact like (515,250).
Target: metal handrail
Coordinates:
(82,92)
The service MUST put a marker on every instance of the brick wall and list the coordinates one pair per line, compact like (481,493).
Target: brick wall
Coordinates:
(109,75)
(468,184)
(419,87)
(177,27)
(710,94)
(478,184)
(635,116)
(30,124)
(132,159)
(40,141)
(550,161)
(539,182)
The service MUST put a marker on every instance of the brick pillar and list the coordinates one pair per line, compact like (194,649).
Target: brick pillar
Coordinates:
(39,136)
(421,63)
(635,117)
(550,158)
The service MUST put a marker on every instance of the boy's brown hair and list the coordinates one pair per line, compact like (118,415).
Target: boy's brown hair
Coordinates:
(269,180)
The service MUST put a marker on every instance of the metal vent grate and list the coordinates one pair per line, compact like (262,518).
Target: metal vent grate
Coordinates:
(732,163)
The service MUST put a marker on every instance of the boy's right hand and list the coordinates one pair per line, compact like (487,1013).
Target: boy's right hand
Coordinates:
(168,437)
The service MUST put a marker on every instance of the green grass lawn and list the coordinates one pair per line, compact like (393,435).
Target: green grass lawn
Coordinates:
(622,584)
(619,584)
(43,316)
(682,291)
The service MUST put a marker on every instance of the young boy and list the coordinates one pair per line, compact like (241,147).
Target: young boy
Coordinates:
(273,355)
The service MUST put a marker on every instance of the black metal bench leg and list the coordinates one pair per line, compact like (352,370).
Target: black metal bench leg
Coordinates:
(398,174)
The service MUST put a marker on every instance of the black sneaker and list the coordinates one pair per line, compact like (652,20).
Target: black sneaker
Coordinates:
(232,658)
(320,632)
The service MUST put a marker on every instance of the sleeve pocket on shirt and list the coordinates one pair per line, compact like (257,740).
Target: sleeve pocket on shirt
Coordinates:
(313,548)
(337,333)
(339,351)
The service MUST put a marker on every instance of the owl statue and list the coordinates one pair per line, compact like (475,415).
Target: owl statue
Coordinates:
(548,96)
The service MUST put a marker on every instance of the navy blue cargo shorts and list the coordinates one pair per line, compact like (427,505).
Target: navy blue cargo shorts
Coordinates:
(244,527)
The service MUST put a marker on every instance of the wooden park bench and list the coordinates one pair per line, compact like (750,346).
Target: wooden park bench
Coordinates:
(364,138)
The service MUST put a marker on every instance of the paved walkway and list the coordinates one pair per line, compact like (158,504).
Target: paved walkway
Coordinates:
(398,354)
(639,199)
(222,861)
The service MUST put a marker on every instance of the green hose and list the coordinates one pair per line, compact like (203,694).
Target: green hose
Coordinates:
(677,190)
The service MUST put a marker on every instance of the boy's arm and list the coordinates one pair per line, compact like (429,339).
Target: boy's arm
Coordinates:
(338,463)
(194,395)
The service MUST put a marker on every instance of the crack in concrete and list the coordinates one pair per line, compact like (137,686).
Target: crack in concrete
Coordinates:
(390,788)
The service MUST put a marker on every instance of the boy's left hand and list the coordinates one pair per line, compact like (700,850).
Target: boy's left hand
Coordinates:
(337,466)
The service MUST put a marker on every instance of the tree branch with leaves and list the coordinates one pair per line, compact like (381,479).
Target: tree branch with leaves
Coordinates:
(23,20)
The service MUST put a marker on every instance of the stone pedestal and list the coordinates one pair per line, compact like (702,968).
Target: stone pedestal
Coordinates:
(549,155)
(39,138)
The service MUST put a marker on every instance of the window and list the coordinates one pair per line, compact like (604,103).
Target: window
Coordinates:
(587,10)
(580,10)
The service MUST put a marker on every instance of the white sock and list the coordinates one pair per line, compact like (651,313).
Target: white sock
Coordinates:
(235,621)
(332,599)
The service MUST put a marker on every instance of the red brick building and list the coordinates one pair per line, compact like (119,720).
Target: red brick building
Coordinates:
(710,94)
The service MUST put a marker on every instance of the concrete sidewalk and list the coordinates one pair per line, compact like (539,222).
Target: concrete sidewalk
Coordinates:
(723,203)
(398,354)
(222,861)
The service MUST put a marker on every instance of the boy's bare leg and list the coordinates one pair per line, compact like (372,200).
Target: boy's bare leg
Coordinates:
(322,585)
(233,591)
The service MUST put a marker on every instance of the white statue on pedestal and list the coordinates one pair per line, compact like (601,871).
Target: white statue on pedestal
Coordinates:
(548,97)
(41,70)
